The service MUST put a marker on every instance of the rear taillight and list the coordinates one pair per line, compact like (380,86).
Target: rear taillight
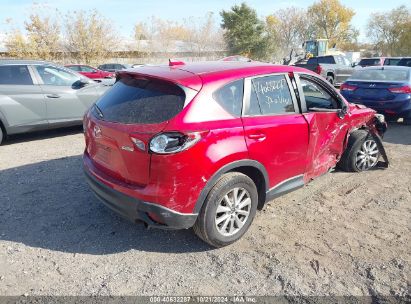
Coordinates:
(318,69)
(173,142)
(347,87)
(401,90)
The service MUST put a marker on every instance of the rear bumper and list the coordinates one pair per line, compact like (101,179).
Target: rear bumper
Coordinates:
(137,210)
(398,109)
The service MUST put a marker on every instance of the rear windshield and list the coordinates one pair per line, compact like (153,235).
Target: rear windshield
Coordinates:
(381,75)
(15,74)
(369,62)
(312,61)
(144,101)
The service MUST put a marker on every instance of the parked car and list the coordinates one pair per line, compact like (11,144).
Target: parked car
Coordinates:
(114,67)
(392,60)
(376,61)
(37,95)
(90,72)
(406,61)
(205,144)
(385,89)
(335,68)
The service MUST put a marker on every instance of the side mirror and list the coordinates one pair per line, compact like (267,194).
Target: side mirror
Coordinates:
(94,71)
(342,112)
(82,82)
(353,64)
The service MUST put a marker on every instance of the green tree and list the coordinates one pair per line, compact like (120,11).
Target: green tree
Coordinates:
(332,20)
(288,28)
(245,33)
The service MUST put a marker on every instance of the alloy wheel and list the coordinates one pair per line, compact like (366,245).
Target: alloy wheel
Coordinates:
(367,156)
(233,211)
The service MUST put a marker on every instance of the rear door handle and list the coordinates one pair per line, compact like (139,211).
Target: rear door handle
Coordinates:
(257,136)
(53,96)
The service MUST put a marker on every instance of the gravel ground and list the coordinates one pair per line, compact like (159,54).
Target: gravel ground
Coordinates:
(343,234)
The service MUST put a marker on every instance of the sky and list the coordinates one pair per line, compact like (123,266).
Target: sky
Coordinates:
(126,13)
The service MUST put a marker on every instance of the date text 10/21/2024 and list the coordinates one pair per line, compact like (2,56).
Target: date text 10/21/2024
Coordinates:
(202,299)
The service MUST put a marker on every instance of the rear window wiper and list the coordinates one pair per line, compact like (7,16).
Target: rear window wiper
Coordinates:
(100,114)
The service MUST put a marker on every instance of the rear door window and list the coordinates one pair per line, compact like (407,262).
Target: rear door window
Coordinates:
(87,69)
(141,101)
(270,95)
(74,68)
(230,97)
(15,75)
(370,62)
(326,60)
(391,61)
(405,62)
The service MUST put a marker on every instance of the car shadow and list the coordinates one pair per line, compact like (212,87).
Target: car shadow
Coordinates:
(38,135)
(49,205)
(398,133)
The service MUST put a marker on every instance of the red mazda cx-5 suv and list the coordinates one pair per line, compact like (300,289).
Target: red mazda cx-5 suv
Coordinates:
(204,145)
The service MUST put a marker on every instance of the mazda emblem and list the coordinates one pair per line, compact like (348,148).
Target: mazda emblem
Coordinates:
(97,132)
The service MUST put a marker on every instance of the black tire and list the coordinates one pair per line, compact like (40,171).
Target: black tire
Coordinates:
(206,226)
(348,161)
(330,79)
(1,136)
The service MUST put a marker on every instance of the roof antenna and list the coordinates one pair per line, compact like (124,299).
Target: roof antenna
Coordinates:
(174,62)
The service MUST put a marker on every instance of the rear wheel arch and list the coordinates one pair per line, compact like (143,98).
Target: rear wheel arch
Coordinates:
(3,132)
(251,168)
(330,77)
(355,138)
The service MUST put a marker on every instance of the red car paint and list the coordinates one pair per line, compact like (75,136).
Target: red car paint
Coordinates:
(305,144)
(90,71)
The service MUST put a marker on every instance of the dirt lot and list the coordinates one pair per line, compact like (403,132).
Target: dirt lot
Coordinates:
(343,234)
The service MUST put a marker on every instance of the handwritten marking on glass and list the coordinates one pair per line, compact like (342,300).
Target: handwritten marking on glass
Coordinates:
(273,91)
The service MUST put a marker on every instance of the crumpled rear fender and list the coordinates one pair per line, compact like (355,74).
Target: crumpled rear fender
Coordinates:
(376,128)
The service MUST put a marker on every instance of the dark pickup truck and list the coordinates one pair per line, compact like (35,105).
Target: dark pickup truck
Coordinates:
(335,68)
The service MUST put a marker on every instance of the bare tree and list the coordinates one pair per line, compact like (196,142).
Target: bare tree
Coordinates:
(405,40)
(386,29)
(159,35)
(43,35)
(41,38)
(289,28)
(197,35)
(204,35)
(16,44)
(89,36)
